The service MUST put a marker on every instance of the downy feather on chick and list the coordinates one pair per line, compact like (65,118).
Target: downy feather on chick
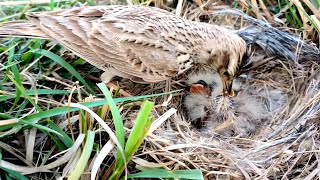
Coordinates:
(238,115)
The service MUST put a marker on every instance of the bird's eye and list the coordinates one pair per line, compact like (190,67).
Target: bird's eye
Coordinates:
(208,51)
(226,73)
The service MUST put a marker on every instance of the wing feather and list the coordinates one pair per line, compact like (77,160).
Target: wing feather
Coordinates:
(71,31)
(136,41)
(140,37)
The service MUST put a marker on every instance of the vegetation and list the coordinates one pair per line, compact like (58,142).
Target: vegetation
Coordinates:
(56,118)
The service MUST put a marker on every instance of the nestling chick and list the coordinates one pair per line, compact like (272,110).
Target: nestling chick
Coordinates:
(239,115)
(198,102)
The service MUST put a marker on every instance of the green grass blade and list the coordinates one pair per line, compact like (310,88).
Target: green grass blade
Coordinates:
(58,143)
(314,24)
(118,122)
(7,177)
(32,92)
(136,137)
(84,158)
(64,136)
(295,19)
(139,129)
(17,77)
(316,3)
(5,116)
(38,126)
(14,173)
(23,91)
(63,110)
(10,16)
(9,65)
(51,5)
(163,173)
(66,65)
(13,130)
(21,109)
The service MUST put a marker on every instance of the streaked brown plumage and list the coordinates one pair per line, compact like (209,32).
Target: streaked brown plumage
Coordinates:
(141,43)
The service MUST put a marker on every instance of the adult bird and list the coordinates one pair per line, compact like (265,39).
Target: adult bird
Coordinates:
(141,43)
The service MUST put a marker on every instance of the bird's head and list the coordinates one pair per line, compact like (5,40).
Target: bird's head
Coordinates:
(228,65)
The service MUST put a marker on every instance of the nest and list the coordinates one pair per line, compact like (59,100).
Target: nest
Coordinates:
(276,135)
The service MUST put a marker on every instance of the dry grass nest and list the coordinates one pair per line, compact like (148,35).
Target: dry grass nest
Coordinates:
(285,143)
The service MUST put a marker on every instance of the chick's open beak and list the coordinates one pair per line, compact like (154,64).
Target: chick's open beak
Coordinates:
(227,87)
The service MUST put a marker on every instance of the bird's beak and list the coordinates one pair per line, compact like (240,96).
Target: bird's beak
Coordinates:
(227,87)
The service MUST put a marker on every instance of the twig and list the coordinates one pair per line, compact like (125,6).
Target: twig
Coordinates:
(303,16)
(314,10)
(179,7)
(206,6)
(122,92)
(255,9)
(244,3)
(265,10)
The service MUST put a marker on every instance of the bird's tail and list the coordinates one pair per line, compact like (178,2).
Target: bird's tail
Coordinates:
(21,29)
(273,41)
(278,43)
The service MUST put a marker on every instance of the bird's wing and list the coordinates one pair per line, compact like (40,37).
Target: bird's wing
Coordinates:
(70,30)
(137,43)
